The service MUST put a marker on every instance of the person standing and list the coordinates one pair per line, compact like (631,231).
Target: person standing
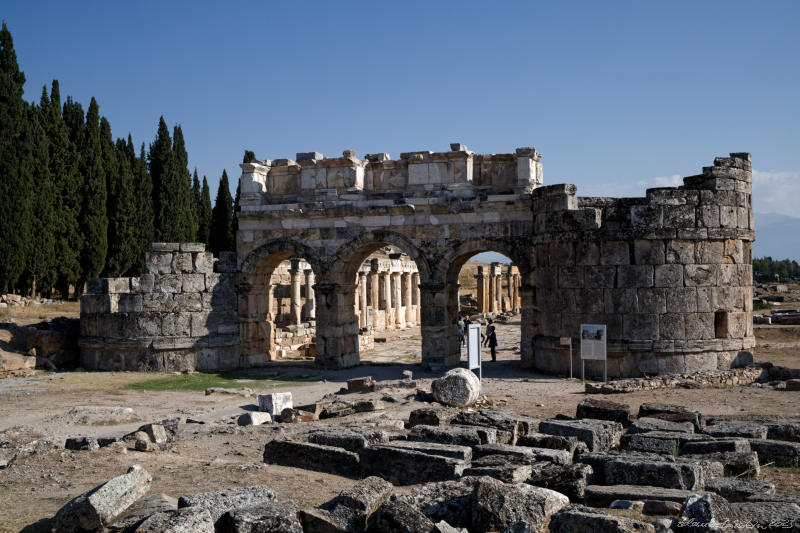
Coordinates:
(485,338)
(460,332)
(491,339)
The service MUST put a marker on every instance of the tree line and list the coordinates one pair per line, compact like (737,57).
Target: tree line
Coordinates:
(75,203)
(768,267)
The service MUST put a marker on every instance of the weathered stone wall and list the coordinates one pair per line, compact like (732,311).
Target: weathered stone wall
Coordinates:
(670,274)
(180,315)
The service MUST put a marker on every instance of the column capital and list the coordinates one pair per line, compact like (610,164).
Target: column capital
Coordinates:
(374,266)
(295,264)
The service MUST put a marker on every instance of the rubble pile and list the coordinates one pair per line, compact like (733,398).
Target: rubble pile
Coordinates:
(607,469)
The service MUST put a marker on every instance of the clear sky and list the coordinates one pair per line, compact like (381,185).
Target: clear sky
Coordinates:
(617,95)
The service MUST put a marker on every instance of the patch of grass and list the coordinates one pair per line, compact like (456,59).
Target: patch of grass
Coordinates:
(761,306)
(227,380)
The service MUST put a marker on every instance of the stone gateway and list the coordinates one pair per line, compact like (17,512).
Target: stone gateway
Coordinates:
(670,274)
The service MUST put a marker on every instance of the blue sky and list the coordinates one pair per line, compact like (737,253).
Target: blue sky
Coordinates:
(618,96)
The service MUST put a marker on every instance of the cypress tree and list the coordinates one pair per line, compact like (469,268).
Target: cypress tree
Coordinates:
(41,264)
(144,206)
(204,215)
(182,225)
(93,220)
(196,199)
(109,161)
(123,243)
(64,169)
(249,156)
(222,237)
(16,162)
(160,165)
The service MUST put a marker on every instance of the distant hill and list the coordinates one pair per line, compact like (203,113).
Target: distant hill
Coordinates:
(777,236)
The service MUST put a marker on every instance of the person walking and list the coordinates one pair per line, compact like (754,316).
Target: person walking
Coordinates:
(460,332)
(485,338)
(491,339)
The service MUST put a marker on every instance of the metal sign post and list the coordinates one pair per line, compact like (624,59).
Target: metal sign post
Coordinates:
(567,341)
(593,346)
(474,350)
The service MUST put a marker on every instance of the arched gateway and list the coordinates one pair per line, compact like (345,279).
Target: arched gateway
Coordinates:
(670,274)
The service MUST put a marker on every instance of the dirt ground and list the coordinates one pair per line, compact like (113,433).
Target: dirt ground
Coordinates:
(218,454)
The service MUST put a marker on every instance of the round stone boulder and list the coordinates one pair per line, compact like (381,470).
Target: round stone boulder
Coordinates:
(459,388)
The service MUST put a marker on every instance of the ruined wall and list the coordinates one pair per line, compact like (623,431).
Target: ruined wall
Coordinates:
(180,315)
(670,274)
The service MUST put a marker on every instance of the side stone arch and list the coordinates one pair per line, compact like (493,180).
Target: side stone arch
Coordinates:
(254,291)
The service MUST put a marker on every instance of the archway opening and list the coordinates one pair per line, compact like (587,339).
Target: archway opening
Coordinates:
(277,306)
(485,287)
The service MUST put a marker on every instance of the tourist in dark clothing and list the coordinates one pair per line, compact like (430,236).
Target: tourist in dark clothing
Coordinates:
(491,339)
(485,338)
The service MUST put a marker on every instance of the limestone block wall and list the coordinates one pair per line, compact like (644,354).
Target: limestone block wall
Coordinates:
(670,274)
(180,315)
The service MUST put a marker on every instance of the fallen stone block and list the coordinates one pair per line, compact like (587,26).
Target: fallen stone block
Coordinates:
(450,501)
(100,506)
(444,527)
(737,464)
(579,518)
(543,440)
(501,467)
(156,432)
(337,410)
(773,517)
(255,418)
(272,516)
(502,420)
(569,480)
(219,502)
(646,424)
(431,416)
(407,467)
(603,495)
(747,430)
(312,457)
(600,409)
(459,387)
(365,497)
(739,490)
(81,443)
(462,453)
(782,453)
(714,446)
(368,406)
(783,431)
(708,512)
(662,507)
(524,453)
(352,439)
(401,517)
(194,519)
(673,413)
(274,403)
(143,509)
(144,445)
(360,384)
(630,471)
(628,505)
(661,442)
(461,435)
(498,506)
(598,435)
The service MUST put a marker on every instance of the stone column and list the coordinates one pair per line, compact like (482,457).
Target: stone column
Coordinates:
(481,295)
(510,290)
(310,311)
(498,290)
(296,298)
(362,285)
(517,303)
(410,315)
(493,288)
(397,298)
(415,293)
(373,289)
(387,297)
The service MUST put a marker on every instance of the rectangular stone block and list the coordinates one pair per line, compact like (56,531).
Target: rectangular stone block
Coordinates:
(168,283)
(149,324)
(728,216)
(634,276)
(600,276)
(621,301)
(312,457)
(130,303)
(193,247)
(681,300)
(562,253)
(670,275)
(782,453)
(408,467)
(570,277)
(629,471)
(649,252)
(203,262)
(118,285)
(671,326)
(709,252)
(680,252)
(98,303)
(182,263)
(598,435)
(176,325)
(462,436)
(587,253)
(193,283)
(699,325)
(188,302)
(652,300)
(679,216)
(158,262)
(614,253)
(708,216)
(143,284)
(638,326)
(701,275)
